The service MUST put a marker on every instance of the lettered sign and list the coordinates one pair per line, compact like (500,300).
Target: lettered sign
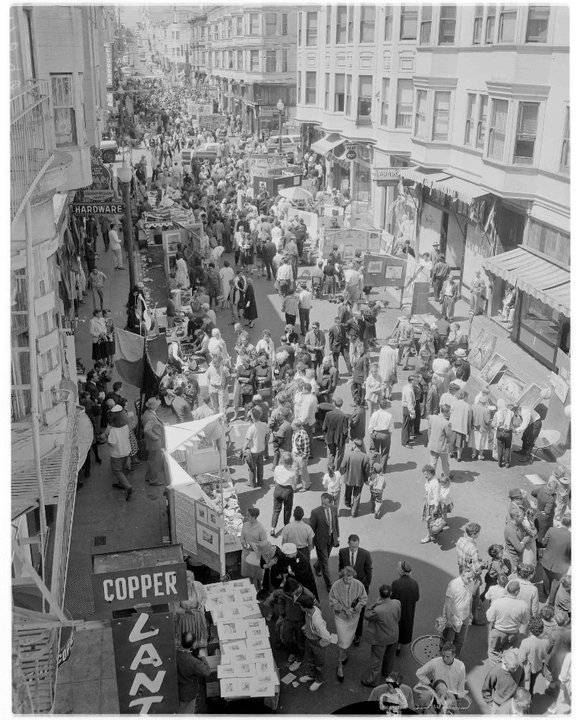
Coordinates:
(145,654)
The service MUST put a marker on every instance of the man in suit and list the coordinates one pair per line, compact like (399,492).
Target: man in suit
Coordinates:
(361,560)
(357,423)
(339,345)
(406,590)
(335,429)
(555,560)
(355,471)
(324,523)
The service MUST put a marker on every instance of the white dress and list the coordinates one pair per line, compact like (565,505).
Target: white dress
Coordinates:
(182,277)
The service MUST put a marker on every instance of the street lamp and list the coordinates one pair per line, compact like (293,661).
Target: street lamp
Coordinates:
(124,174)
(280,108)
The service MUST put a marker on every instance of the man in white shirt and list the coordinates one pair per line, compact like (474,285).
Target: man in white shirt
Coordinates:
(255,446)
(277,235)
(380,432)
(408,410)
(299,533)
(505,616)
(446,668)
(226,278)
(458,608)
(305,410)
(304,307)
(317,638)
(284,274)
(116,247)
(119,442)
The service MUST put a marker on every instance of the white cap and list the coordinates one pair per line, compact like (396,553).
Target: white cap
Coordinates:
(117,408)
(289,549)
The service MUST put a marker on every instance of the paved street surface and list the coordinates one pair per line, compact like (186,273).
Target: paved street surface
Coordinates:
(105,522)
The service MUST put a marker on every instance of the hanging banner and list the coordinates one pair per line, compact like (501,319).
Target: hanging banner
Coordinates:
(145,657)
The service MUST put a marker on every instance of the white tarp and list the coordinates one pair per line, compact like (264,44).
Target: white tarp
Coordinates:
(176,435)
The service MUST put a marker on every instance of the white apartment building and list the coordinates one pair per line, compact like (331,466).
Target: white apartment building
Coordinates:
(475,99)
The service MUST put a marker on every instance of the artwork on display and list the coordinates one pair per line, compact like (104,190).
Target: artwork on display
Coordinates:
(511,386)
(492,368)
(394,272)
(208,538)
(481,350)
(201,512)
(560,386)
(374,266)
(531,396)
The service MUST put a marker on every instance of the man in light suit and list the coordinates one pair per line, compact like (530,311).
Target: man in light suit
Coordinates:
(324,523)
(361,560)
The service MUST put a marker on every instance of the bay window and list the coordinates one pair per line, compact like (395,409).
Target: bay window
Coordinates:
(447,25)
(441,117)
(254,59)
(497,131)
(364,96)
(339,92)
(404,103)
(351,10)
(254,23)
(310,98)
(526,129)
(478,20)
(384,102)
(507,25)
(284,24)
(311,29)
(420,117)
(408,22)
(269,24)
(537,25)
(425,24)
(367,20)
(270,61)
(490,24)
(64,113)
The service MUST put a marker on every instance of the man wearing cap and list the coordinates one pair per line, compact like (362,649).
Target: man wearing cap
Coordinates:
(461,365)
(119,442)
(505,617)
(153,429)
(406,590)
(299,532)
(440,271)
(314,342)
(324,523)
(355,470)
(304,307)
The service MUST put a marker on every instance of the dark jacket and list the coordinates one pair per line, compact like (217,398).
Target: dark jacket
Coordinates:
(319,525)
(337,340)
(192,675)
(357,422)
(335,427)
(556,554)
(363,564)
(355,467)
(269,251)
(407,591)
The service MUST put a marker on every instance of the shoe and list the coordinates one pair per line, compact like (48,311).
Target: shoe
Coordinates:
(426,540)
(367,684)
(305,679)
(507,465)
(294,666)
(129,494)
(315,685)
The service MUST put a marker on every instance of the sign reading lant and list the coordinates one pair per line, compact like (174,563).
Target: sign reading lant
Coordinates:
(145,656)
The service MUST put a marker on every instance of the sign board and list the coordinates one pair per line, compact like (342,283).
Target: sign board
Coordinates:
(84,209)
(384,271)
(274,184)
(101,188)
(351,155)
(145,658)
(109,53)
(389,174)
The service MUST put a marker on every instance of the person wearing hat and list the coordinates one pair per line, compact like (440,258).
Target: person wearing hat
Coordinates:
(119,442)
(347,597)
(481,435)
(153,429)
(461,364)
(355,471)
(314,342)
(439,273)
(406,590)
(297,565)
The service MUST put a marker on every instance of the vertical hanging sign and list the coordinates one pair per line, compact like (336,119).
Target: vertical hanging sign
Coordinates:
(145,655)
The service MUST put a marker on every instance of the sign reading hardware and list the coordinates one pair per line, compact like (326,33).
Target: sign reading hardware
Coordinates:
(98,208)
(127,588)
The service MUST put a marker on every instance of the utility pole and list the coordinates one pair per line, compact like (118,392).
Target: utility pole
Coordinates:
(124,179)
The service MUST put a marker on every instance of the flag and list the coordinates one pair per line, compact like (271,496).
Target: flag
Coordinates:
(129,358)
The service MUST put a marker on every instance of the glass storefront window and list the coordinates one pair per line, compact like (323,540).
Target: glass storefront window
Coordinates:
(540,319)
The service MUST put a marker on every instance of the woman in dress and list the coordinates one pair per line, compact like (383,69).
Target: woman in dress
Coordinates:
(190,614)
(431,510)
(217,345)
(250,310)
(251,539)
(98,332)
(182,277)
(347,597)
(110,342)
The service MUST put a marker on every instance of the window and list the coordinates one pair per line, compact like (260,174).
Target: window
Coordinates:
(339,93)
(404,102)
(447,25)
(548,241)
(497,131)
(326,91)
(284,60)
(239,25)
(364,96)
(64,115)
(253,23)
(270,61)
(526,133)
(384,102)
(507,25)
(284,24)
(310,98)
(328,25)
(300,29)
(299,86)
(565,154)
(269,24)
(367,20)
(341,18)
(490,24)
(351,23)
(481,127)
(469,129)
(387,23)
(441,118)
(425,24)
(537,26)
(477,30)
(254,59)
(420,118)
(348,94)
(240,60)
(312,29)
(408,22)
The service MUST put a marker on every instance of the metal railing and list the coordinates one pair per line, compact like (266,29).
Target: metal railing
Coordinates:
(32,138)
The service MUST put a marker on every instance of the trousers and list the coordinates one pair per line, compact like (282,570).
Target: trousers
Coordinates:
(443,457)
(352,495)
(321,564)
(283,497)
(255,462)
(380,662)
(120,466)
(335,454)
(304,320)
(314,659)
(407,424)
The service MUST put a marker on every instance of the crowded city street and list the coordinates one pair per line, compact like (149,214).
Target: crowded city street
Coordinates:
(315,474)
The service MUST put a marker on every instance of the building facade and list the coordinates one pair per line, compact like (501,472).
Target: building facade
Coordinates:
(58,92)
(251,61)
(465,110)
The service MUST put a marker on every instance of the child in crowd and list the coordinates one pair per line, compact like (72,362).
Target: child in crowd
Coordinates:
(377,484)
(444,496)
(332,483)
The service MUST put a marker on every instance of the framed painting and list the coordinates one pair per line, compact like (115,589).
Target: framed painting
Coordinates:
(492,368)
(482,349)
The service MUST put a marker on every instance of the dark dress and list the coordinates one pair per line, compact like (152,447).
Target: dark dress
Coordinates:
(249,304)
(406,590)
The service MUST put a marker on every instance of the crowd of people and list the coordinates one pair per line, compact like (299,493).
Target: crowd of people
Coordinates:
(285,390)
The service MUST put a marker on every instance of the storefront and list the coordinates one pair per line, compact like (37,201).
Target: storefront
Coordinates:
(541,319)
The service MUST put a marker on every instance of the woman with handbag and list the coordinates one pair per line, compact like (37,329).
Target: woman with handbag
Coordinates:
(431,512)
(347,597)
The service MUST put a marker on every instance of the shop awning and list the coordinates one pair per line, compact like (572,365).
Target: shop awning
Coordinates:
(460,189)
(327,143)
(534,275)
(429,178)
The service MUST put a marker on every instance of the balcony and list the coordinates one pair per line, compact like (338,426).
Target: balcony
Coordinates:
(32,139)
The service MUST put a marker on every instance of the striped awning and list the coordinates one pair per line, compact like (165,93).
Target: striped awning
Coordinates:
(461,190)
(429,178)
(534,275)
(327,143)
